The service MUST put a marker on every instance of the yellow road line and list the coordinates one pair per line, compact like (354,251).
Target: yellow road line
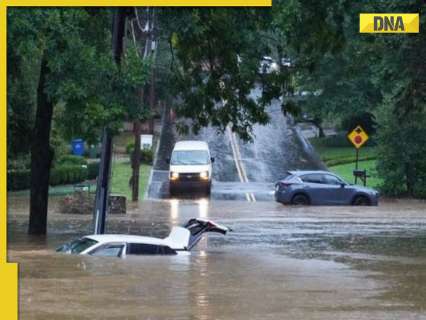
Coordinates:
(238,162)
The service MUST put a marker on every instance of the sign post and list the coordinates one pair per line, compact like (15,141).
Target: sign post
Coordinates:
(358,137)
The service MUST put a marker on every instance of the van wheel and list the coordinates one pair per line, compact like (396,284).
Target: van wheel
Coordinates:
(361,201)
(300,200)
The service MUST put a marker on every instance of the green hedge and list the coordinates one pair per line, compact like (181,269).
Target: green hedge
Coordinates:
(336,162)
(67,174)
(69,159)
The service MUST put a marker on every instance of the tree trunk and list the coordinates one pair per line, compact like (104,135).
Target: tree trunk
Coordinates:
(118,30)
(136,156)
(41,156)
(152,99)
(410,178)
(136,160)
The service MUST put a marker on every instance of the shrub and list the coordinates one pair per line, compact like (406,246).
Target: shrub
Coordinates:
(129,148)
(339,161)
(21,163)
(92,170)
(68,174)
(146,154)
(60,146)
(401,155)
(69,160)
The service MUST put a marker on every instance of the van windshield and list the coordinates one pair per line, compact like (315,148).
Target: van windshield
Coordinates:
(189,157)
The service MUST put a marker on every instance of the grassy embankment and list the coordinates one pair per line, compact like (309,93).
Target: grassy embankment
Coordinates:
(339,156)
(121,173)
(122,170)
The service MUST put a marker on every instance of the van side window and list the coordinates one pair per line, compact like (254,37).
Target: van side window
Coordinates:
(143,248)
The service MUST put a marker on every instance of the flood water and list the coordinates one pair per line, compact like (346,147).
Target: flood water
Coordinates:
(278,263)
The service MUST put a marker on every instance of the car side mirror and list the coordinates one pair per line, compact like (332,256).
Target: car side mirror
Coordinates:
(212,159)
(168,160)
(342,185)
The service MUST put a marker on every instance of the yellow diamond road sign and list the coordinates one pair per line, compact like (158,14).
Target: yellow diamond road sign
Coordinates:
(358,137)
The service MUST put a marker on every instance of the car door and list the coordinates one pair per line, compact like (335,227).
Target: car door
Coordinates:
(314,188)
(335,191)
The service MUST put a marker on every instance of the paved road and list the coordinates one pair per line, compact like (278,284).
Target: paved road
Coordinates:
(245,170)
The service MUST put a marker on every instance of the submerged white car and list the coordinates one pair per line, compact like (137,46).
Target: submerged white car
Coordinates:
(180,240)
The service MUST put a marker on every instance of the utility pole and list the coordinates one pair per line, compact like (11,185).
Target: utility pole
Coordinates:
(144,35)
(154,51)
(102,187)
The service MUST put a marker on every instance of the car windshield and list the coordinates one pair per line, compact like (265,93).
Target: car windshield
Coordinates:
(77,246)
(189,157)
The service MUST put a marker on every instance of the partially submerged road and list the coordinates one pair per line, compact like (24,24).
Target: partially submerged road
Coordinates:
(242,170)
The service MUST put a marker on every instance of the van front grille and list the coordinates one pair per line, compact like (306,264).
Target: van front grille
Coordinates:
(189,176)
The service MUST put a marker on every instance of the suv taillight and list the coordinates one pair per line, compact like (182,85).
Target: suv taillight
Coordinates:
(282,185)
(286,184)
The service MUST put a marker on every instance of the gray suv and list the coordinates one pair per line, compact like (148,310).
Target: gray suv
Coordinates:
(322,188)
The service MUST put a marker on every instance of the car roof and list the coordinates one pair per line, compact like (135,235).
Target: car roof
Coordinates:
(106,238)
(299,173)
(175,240)
(191,145)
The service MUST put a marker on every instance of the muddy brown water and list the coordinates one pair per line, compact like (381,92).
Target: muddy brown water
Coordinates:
(278,263)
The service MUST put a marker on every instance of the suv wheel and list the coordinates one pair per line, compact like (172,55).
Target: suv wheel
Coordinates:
(361,201)
(300,200)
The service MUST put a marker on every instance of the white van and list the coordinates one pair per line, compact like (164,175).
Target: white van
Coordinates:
(190,167)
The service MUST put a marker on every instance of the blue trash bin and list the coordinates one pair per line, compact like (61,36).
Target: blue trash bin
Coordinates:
(77,147)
